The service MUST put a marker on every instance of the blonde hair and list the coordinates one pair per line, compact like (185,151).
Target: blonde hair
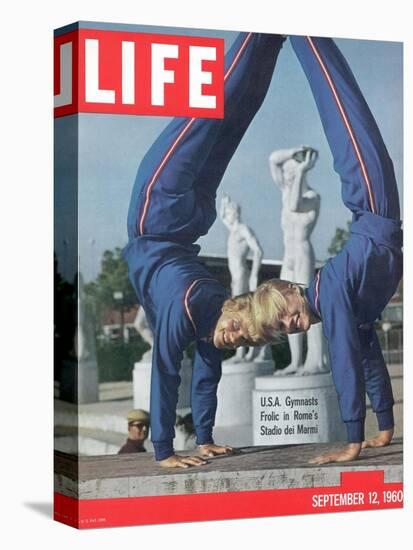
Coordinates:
(244,304)
(261,310)
(269,304)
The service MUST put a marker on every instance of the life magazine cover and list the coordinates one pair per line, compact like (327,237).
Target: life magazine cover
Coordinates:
(228,274)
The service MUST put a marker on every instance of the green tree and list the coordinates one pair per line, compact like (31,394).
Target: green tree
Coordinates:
(339,240)
(113,277)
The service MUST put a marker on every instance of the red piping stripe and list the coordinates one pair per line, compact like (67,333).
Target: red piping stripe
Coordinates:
(186,299)
(158,171)
(236,58)
(346,122)
(179,138)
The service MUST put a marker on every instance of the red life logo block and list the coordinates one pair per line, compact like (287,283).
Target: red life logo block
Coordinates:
(138,74)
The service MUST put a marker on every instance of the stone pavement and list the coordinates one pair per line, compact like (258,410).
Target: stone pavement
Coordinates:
(249,469)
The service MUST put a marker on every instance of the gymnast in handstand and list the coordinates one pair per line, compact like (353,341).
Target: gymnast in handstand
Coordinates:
(172,205)
(350,292)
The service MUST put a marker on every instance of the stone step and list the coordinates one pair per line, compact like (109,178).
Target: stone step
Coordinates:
(396,375)
(115,438)
(395,370)
(397,387)
(90,442)
(109,391)
(85,441)
(107,416)
(371,422)
(86,446)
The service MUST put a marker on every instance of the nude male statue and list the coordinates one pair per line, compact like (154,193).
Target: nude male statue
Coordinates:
(85,334)
(299,214)
(142,328)
(241,241)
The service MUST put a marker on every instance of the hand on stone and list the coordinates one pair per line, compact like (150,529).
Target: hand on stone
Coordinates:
(176,461)
(350,452)
(382,439)
(211,449)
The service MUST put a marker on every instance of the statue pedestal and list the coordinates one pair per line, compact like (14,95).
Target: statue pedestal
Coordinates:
(296,409)
(87,381)
(79,381)
(233,421)
(142,385)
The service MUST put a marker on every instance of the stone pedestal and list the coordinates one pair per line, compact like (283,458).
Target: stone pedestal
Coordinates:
(296,409)
(233,421)
(87,383)
(142,385)
(79,382)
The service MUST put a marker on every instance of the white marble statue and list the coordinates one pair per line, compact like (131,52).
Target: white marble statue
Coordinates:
(299,214)
(185,438)
(85,347)
(142,328)
(241,242)
(143,368)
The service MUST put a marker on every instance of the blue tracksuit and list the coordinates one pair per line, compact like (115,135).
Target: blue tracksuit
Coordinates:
(351,290)
(172,205)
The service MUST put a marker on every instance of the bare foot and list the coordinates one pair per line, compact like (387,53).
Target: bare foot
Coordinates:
(382,439)
(213,450)
(252,354)
(235,359)
(265,354)
(350,452)
(316,368)
(291,369)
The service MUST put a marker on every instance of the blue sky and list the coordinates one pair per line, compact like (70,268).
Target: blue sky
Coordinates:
(111,147)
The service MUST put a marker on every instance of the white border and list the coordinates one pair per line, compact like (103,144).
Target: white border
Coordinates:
(26,274)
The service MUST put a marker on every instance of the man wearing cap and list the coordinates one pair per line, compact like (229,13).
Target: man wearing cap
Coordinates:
(138,428)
